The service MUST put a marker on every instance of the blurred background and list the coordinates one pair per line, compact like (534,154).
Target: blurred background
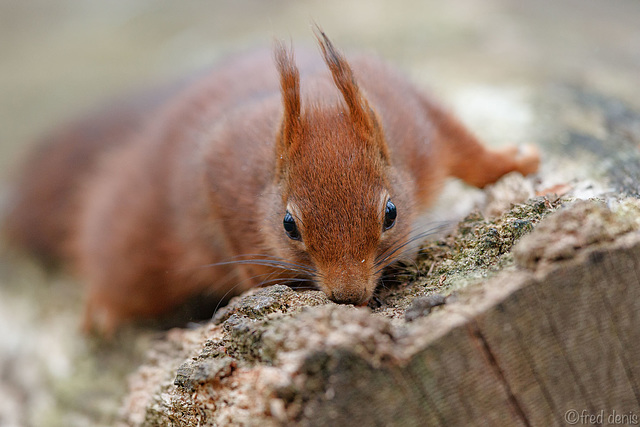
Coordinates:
(564,74)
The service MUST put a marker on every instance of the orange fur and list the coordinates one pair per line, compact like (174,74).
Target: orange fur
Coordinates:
(152,205)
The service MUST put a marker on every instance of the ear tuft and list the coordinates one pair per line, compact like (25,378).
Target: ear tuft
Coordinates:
(290,88)
(361,114)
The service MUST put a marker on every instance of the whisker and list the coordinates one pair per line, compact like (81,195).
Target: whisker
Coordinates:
(264,262)
(391,253)
(269,280)
(268,277)
(234,287)
(260,255)
(389,274)
(224,297)
(255,259)
(391,250)
(287,281)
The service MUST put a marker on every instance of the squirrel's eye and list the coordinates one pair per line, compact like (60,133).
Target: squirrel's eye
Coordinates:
(390,214)
(290,226)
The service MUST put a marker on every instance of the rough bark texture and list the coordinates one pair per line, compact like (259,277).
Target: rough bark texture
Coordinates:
(556,332)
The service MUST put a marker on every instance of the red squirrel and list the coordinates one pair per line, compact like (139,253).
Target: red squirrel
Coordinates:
(314,170)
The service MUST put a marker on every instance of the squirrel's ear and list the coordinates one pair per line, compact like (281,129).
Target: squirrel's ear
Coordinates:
(362,115)
(289,136)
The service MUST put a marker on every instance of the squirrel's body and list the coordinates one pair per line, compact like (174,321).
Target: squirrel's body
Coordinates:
(191,193)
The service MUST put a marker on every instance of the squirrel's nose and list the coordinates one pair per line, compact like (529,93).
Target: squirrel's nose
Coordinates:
(355,295)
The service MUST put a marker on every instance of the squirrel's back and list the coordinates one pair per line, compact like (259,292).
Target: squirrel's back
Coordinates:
(312,169)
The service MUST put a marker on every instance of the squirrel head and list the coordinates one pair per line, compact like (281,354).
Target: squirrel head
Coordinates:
(332,169)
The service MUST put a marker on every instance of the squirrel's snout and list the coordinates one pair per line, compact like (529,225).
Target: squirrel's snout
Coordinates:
(348,283)
(355,295)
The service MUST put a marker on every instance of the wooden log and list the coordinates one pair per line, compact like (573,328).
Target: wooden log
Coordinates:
(550,341)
